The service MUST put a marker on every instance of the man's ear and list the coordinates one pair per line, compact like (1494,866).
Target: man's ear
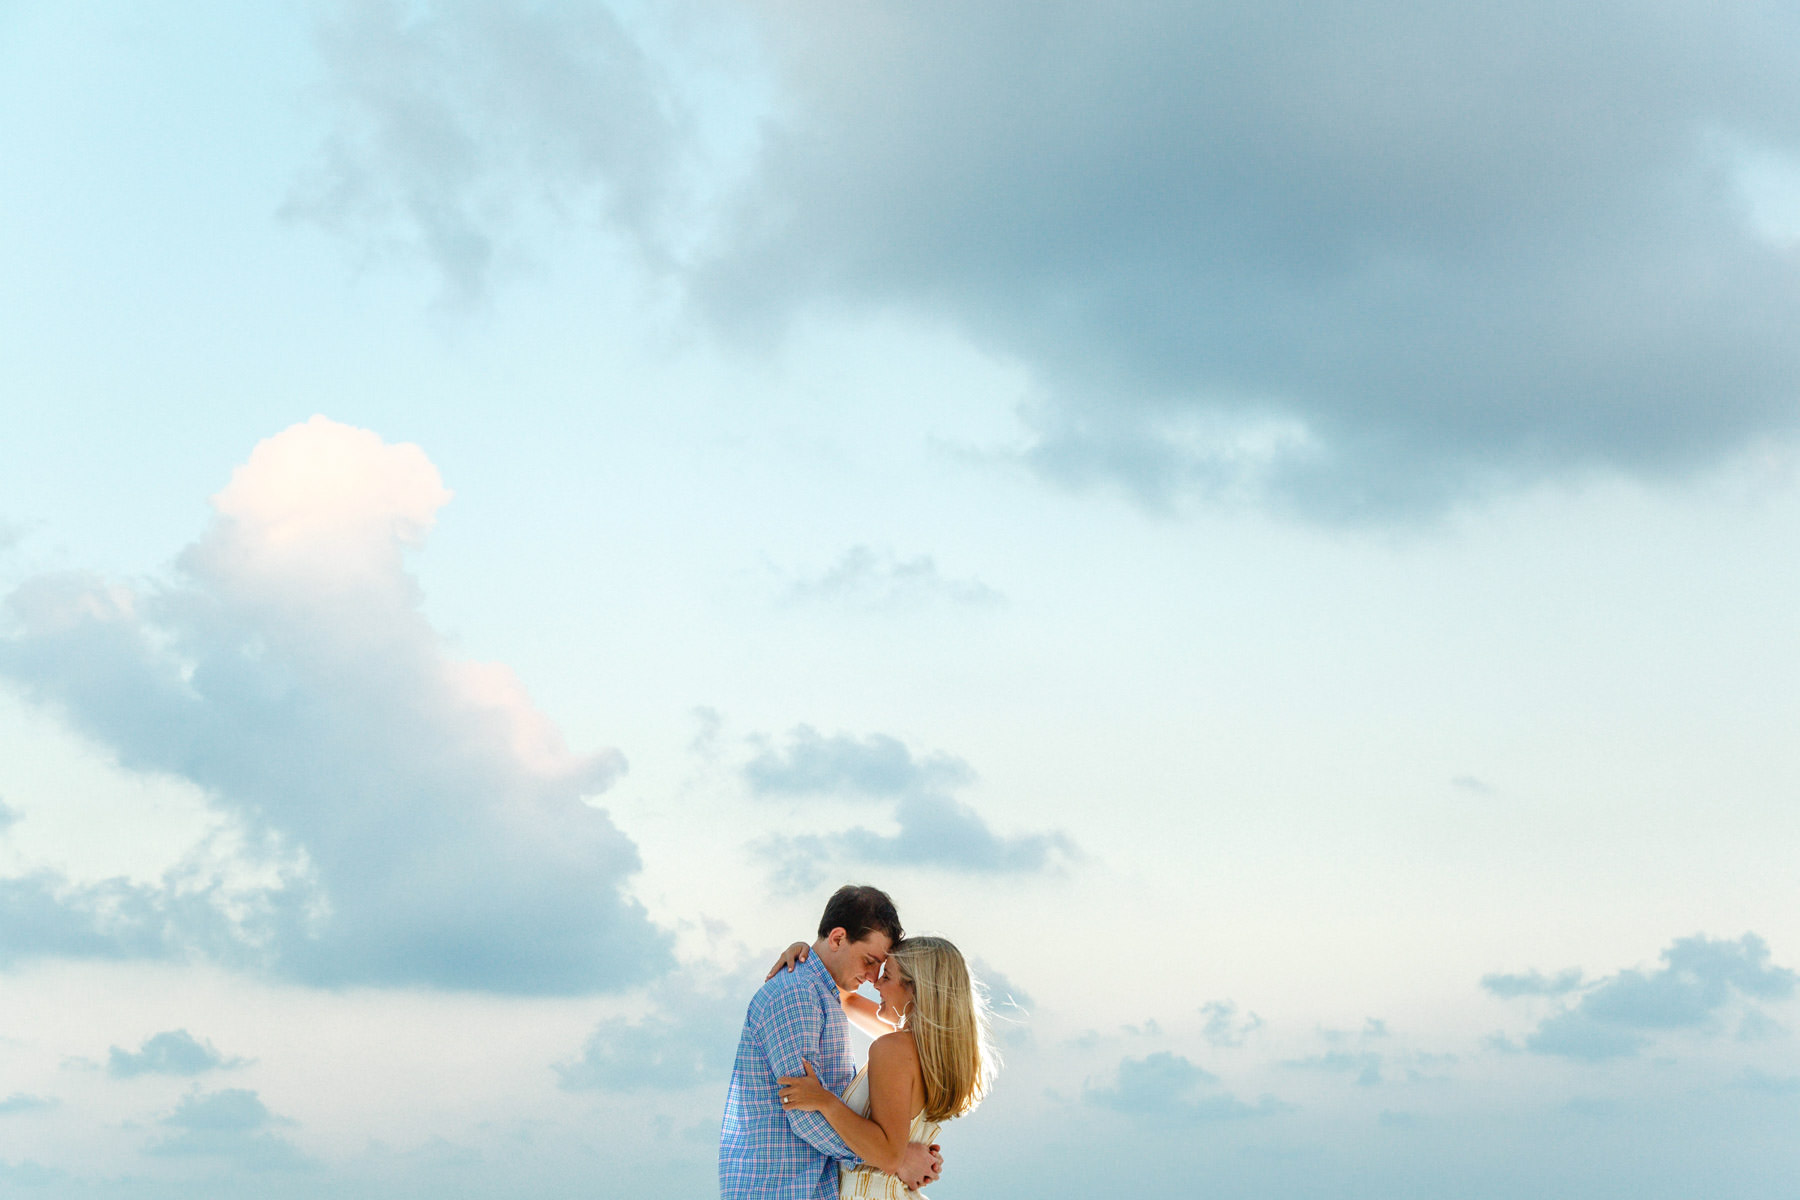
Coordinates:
(837,937)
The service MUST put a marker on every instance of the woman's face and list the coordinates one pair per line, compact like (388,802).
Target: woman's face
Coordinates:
(896,993)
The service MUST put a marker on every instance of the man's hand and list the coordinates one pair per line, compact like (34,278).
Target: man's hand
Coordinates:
(919,1165)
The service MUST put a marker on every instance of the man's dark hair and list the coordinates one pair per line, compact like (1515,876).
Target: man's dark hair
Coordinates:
(857,909)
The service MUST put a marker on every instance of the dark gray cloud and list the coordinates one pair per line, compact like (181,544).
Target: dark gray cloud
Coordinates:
(1533,983)
(21,1102)
(1621,1014)
(427,823)
(1363,259)
(865,577)
(173,1052)
(460,122)
(1167,1087)
(812,764)
(1359,262)
(233,1125)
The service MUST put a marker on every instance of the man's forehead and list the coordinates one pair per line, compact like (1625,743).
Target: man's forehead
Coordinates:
(876,945)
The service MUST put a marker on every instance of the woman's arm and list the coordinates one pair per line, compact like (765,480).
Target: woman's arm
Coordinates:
(796,953)
(862,1012)
(859,1008)
(879,1139)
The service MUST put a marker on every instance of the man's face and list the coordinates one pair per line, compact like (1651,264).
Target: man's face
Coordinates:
(857,961)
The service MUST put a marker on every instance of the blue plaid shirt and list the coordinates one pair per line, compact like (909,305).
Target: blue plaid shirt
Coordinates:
(766,1153)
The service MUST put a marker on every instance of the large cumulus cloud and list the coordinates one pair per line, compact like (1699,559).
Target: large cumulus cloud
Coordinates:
(1358,260)
(424,823)
(1367,256)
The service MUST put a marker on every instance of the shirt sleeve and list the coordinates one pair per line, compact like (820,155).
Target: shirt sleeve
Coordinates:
(793,1028)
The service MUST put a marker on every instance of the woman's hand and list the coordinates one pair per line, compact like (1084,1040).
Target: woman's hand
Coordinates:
(805,1093)
(794,954)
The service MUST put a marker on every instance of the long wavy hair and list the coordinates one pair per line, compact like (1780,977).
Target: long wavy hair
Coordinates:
(949,1024)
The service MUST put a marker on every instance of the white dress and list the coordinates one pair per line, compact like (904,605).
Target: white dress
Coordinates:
(872,1183)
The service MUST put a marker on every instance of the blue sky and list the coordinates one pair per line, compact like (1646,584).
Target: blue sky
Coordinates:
(1276,532)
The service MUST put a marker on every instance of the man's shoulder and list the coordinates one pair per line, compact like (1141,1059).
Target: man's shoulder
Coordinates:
(786,988)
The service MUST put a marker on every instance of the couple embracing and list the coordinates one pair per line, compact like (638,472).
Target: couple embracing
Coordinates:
(801,1123)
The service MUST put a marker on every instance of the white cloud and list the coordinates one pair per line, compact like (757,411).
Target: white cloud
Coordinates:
(425,822)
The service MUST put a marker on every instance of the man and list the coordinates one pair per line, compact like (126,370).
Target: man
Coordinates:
(766,1153)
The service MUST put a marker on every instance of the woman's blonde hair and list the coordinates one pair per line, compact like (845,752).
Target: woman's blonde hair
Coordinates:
(949,1024)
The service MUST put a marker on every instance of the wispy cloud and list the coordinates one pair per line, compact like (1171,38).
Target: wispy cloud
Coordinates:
(22,1102)
(865,577)
(1223,1025)
(425,822)
(1533,983)
(1364,1067)
(461,123)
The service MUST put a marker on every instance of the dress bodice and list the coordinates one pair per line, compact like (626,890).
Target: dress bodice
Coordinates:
(868,1183)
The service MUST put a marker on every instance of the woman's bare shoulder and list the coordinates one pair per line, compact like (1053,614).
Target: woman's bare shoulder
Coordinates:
(897,1047)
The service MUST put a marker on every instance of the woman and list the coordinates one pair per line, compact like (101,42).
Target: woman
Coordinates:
(930,1062)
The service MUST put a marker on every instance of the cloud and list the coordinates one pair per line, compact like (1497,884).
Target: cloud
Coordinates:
(44,915)
(233,1124)
(1003,993)
(421,821)
(686,1038)
(1009,1005)
(1534,983)
(932,829)
(8,817)
(843,765)
(1472,785)
(460,123)
(174,1052)
(867,578)
(1365,1067)
(1620,1015)
(11,534)
(30,1174)
(20,1102)
(1763,1083)
(1223,1028)
(1361,262)
(1167,1087)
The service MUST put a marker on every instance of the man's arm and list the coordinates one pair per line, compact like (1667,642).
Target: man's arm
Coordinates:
(792,1029)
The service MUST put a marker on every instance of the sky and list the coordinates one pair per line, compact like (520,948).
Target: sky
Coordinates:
(1272,528)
